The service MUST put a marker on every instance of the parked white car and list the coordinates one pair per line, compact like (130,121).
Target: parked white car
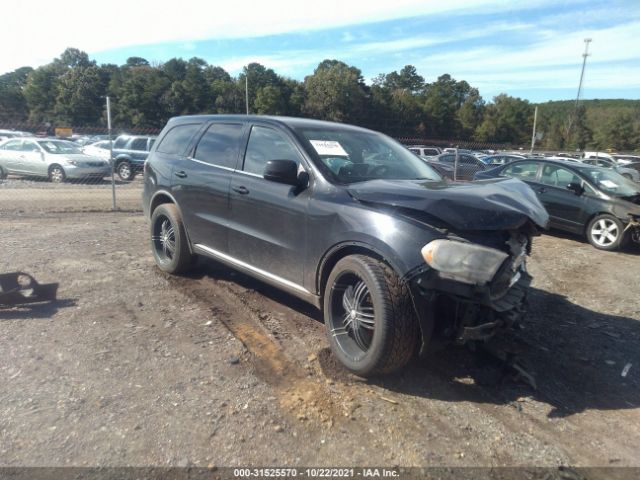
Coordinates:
(52,158)
(98,149)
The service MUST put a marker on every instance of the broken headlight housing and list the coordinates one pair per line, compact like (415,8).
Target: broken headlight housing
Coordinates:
(465,262)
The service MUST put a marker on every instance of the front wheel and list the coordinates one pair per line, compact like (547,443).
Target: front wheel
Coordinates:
(370,321)
(169,240)
(605,232)
(56,174)
(125,172)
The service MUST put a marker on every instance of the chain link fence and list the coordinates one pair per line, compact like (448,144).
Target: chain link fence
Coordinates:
(79,169)
(42,169)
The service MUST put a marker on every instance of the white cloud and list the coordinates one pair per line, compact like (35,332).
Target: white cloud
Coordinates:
(46,28)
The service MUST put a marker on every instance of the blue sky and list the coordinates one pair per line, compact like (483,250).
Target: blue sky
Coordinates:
(528,49)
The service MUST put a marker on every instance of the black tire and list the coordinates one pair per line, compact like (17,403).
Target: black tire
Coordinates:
(56,174)
(605,232)
(125,171)
(389,339)
(3,174)
(169,242)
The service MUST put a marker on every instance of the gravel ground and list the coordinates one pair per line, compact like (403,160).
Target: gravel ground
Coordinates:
(132,367)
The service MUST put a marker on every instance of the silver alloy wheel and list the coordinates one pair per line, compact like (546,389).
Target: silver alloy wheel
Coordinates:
(353,315)
(164,239)
(124,171)
(605,232)
(56,175)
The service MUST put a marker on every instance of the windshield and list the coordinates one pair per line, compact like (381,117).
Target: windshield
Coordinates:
(353,156)
(60,147)
(611,182)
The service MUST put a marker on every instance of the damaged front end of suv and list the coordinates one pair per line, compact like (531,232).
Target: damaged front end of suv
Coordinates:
(472,281)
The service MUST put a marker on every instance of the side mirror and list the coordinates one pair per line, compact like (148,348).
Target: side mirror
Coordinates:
(575,188)
(282,171)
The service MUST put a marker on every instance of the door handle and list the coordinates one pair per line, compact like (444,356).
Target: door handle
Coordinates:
(181,174)
(242,190)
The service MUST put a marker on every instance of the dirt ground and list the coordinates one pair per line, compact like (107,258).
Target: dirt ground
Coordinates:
(130,367)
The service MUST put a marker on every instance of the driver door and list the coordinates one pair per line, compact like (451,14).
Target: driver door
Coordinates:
(268,220)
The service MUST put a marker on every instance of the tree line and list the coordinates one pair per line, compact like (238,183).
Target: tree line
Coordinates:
(71,91)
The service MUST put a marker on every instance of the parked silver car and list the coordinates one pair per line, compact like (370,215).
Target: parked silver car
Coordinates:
(52,158)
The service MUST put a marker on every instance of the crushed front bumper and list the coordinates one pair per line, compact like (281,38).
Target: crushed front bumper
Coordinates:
(455,312)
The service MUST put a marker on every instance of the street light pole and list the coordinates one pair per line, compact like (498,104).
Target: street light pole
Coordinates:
(586,53)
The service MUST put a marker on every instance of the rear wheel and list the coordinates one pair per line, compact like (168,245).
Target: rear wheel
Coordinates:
(125,172)
(605,232)
(370,321)
(56,174)
(169,240)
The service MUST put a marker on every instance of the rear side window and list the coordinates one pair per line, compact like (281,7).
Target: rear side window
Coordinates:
(139,144)
(220,145)
(523,171)
(120,143)
(267,144)
(176,140)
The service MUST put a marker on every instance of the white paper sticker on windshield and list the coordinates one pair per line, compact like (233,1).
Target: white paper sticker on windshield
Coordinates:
(329,147)
(608,184)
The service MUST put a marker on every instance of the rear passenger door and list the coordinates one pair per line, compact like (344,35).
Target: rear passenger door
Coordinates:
(566,209)
(201,183)
(267,228)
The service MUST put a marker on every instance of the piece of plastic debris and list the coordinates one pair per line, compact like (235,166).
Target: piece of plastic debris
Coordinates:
(625,370)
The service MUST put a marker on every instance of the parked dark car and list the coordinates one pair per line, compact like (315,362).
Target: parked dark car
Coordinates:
(468,165)
(348,220)
(129,154)
(580,198)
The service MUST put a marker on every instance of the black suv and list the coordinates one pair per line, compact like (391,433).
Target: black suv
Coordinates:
(349,220)
(129,154)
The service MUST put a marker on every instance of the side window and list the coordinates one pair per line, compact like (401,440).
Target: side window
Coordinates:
(448,158)
(120,143)
(266,144)
(12,145)
(523,171)
(555,176)
(29,147)
(176,140)
(220,145)
(139,144)
(467,160)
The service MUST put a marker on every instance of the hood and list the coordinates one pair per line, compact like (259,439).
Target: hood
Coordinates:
(498,204)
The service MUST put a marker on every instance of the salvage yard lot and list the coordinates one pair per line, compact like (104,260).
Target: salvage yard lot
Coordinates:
(132,367)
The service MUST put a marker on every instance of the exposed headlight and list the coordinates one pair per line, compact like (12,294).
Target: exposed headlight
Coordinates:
(465,262)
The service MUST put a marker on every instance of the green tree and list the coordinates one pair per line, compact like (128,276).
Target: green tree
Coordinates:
(40,93)
(143,98)
(13,105)
(79,99)
(335,92)
(443,99)
(506,120)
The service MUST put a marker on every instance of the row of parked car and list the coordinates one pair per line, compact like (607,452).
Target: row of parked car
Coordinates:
(59,159)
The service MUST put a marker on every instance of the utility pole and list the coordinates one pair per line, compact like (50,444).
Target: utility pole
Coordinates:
(586,53)
(246,90)
(113,179)
(533,135)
